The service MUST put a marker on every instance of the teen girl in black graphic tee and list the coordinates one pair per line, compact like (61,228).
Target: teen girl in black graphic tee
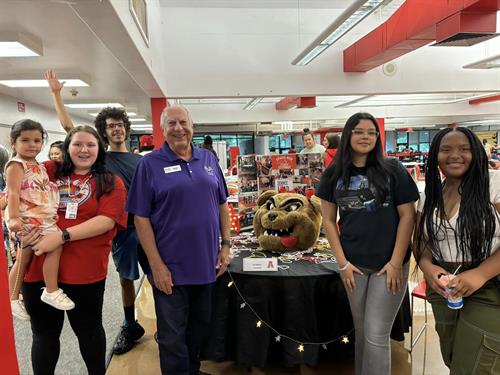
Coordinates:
(375,199)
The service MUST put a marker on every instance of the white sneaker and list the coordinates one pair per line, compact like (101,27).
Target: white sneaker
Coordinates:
(18,310)
(57,299)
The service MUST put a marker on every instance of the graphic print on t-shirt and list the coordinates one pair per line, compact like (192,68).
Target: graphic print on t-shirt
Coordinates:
(77,191)
(360,196)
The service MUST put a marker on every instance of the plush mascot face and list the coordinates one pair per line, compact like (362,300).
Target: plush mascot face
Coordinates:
(286,221)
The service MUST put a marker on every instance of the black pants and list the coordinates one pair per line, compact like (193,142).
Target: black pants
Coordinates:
(183,320)
(85,320)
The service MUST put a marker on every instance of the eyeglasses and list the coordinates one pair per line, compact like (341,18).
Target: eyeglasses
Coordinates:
(119,125)
(370,133)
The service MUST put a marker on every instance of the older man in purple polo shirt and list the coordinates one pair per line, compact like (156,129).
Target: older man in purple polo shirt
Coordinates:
(178,197)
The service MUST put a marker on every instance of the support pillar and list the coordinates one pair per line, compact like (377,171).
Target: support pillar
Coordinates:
(8,357)
(381,127)
(157,107)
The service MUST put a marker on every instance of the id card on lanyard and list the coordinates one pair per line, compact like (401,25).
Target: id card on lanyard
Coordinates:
(71,210)
(72,207)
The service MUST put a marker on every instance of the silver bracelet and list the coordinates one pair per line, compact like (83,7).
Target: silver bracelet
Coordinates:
(345,266)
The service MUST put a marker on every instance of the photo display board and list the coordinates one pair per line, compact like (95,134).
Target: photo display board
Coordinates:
(295,173)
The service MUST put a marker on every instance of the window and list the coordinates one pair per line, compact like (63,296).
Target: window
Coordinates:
(424,137)
(424,147)
(280,143)
(244,141)
(402,137)
(139,11)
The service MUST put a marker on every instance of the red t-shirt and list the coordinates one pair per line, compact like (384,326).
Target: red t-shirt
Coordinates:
(84,261)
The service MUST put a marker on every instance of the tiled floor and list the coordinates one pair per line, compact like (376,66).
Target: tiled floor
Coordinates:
(144,360)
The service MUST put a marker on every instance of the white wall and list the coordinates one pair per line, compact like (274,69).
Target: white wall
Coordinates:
(151,52)
(47,117)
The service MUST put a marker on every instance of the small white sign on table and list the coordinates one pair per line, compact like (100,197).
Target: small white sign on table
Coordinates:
(260,264)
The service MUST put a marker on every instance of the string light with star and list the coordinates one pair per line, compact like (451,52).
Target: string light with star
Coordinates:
(259,322)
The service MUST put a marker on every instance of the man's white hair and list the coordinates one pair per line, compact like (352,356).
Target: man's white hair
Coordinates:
(164,115)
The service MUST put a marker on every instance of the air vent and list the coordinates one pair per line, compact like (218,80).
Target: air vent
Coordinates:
(464,39)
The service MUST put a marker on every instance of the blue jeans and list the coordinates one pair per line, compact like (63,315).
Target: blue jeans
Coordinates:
(183,320)
(374,309)
(128,254)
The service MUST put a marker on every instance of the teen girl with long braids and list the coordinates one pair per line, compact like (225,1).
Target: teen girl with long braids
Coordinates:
(375,199)
(92,203)
(458,225)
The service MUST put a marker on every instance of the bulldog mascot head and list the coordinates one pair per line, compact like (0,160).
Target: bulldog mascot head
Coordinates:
(287,221)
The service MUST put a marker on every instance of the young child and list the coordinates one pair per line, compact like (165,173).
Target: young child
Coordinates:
(458,229)
(32,201)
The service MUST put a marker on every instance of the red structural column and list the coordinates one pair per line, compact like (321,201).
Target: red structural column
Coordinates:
(8,357)
(381,128)
(157,107)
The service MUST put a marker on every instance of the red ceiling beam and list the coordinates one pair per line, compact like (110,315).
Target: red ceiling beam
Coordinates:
(296,101)
(486,99)
(417,23)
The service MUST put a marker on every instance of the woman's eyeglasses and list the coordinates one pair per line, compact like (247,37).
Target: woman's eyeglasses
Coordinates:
(370,133)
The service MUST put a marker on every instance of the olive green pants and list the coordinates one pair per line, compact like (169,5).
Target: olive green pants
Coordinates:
(469,337)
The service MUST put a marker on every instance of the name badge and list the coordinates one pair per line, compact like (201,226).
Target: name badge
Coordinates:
(174,168)
(260,264)
(71,210)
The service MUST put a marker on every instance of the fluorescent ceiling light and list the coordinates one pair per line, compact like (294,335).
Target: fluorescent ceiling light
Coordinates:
(413,99)
(480,122)
(70,82)
(137,119)
(142,127)
(129,114)
(252,103)
(205,101)
(15,49)
(353,15)
(16,44)
(337,98)
(491,62)
(92,105)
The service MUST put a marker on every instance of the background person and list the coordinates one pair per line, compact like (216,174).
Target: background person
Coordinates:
(310,144)
(208,145)
(146,144)
(331,142)
(178,197)
(55,151)
(488,147)
(374,197)
(90,210)
(458,226)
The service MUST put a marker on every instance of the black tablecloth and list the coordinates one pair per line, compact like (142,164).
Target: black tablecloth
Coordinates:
(305,300)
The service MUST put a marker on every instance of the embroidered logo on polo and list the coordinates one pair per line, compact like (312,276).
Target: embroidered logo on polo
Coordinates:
(77,191)
(209,170)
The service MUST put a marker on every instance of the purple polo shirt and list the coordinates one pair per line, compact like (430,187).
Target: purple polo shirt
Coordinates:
(181,199)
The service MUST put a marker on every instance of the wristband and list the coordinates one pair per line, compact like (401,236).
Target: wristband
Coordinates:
(66,237)
(345,266)
(396,268)
(226,242)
